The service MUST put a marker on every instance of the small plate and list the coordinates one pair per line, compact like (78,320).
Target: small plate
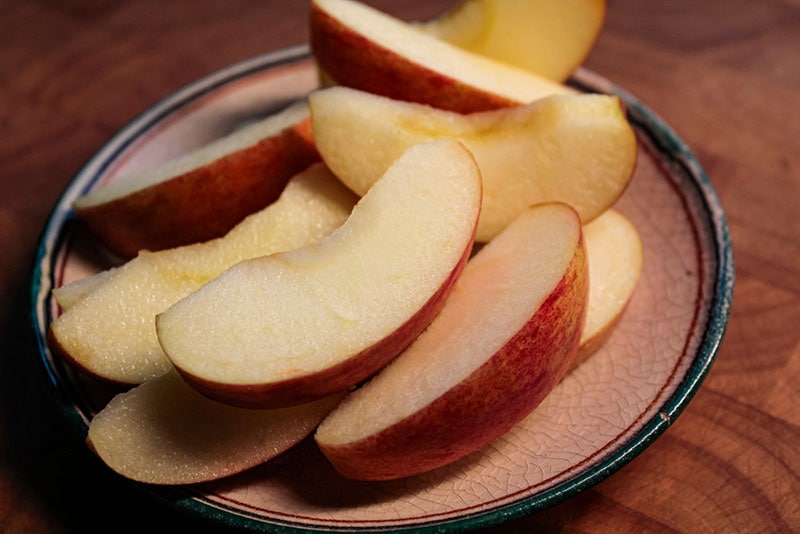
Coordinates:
(601,416)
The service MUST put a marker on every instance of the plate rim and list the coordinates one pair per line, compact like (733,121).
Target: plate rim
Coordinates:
(659,133)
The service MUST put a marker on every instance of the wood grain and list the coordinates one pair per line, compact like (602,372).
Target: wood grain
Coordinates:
(723,73)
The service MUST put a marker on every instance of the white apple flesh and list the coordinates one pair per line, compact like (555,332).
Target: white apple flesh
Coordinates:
(299,325)
(577,149)
(164,432)
(616,259)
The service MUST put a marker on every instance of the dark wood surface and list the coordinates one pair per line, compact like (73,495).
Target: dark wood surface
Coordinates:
(723,73)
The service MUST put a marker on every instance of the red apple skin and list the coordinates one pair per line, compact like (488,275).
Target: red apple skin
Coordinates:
(206,202)
(349,59)
(499,394)
(309,387)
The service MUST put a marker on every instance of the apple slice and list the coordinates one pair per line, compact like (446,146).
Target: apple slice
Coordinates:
(70,294)
(109,329)
(203,194)
(164,432)
(303,324)
(579,149)
(507,334)
(616,257)
(548,38)
(358,46)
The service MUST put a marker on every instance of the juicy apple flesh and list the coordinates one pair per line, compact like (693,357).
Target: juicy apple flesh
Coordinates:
(505,337)
(616,257)
(71,293)
(164,432)
(108,328)
(294,326)
(548,38)
(361,47)
(578,149)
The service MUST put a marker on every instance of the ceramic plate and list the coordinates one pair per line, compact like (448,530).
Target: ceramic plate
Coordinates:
(601,416)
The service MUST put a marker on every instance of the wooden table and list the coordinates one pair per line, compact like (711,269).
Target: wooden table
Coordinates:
(723,73)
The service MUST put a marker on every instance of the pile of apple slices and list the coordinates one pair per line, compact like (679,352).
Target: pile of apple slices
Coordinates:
(107,325)
(351,302)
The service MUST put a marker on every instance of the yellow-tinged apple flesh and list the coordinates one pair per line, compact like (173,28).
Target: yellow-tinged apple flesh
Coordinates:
(550,38)
(294,326)
(616,258)
(70,294)
(579,149)
(358,46)
(108,327)
(164,432)
(507,334)
(203,194)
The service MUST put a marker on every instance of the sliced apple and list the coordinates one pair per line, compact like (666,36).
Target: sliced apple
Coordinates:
(203,194)
(290,327)
(70,294)
(507,334)
(109,329)
(616,258)
(542,36)
(164,432)
(579,149)
(358,46)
